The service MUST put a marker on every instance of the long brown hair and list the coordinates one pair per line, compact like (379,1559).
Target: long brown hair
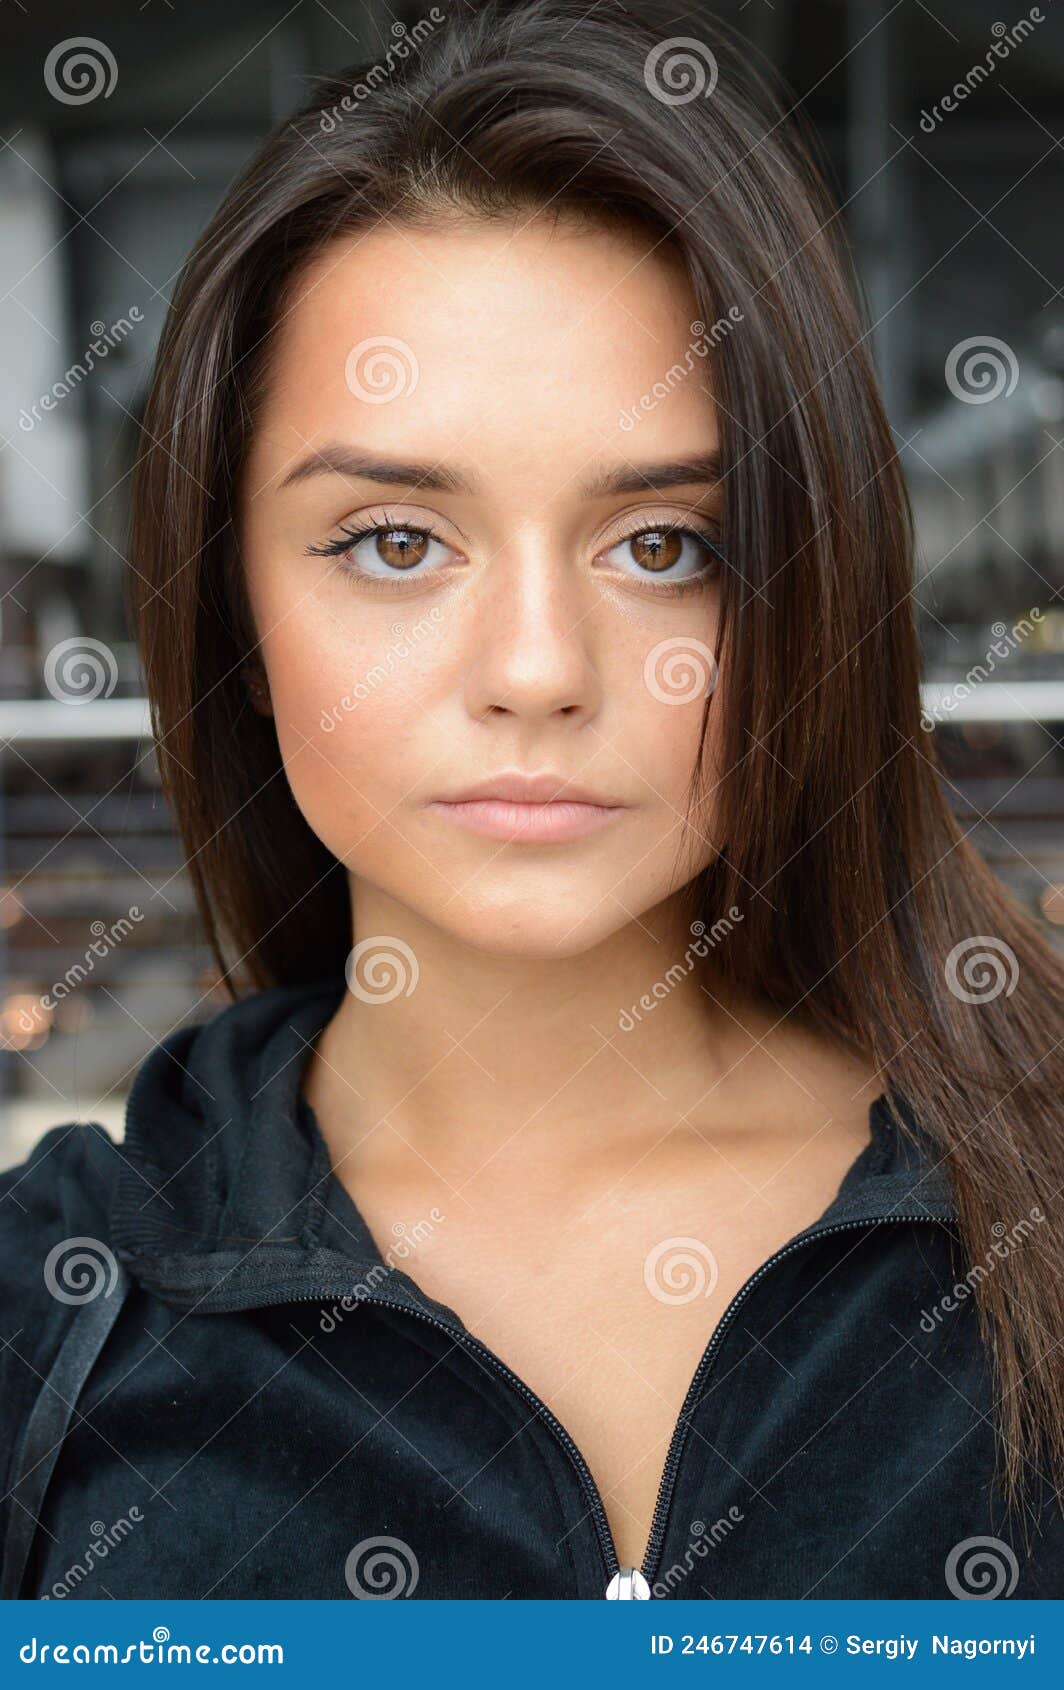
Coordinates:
(864,904)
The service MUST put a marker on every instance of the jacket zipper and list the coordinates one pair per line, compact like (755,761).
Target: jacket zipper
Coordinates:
(622,1581)
(652,1553)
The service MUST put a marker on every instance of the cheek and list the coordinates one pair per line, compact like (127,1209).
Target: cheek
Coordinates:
(677,678)
(351,707)
(663,682)
(666,741)
(684,825)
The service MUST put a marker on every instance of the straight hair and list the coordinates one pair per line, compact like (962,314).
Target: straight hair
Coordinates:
(865,905)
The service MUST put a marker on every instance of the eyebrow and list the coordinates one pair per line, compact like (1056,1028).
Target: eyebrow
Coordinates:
(333,458)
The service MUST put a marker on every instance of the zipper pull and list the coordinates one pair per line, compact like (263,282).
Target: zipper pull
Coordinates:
(627,1584)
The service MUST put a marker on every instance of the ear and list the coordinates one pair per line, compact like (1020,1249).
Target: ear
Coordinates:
(258,687)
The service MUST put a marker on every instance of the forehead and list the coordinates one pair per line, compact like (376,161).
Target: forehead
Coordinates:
(504,331)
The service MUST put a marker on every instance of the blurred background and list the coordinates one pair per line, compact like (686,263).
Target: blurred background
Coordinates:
(941,122)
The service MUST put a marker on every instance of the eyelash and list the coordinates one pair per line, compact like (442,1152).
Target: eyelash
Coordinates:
(662,589)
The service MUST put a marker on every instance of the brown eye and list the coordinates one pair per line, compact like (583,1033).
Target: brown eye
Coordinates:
(382,551)
(401,548)
(669,554)
(657,548)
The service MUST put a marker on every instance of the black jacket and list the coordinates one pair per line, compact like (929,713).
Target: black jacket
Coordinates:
(195,1411)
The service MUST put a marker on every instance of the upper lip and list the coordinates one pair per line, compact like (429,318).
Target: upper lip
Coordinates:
(520,788)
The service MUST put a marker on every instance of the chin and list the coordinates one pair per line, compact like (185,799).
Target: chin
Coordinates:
(532,932)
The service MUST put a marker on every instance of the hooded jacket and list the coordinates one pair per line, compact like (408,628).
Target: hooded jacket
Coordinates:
(213,1383)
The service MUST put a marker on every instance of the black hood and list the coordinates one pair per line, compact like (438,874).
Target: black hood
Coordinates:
(226,1178)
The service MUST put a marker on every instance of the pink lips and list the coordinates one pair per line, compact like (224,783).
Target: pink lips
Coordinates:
(525,809)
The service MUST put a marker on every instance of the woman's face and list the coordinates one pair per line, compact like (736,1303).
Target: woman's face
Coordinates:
(522,410)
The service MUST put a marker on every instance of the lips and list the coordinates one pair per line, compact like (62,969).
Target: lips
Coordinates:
(515,788)
(541,809)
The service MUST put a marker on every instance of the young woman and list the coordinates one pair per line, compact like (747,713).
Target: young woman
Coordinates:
(630,1164)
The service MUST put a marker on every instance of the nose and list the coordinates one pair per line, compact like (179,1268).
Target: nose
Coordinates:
(532,642)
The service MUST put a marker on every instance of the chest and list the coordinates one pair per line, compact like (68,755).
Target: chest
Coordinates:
(837,1448)
(604,1308)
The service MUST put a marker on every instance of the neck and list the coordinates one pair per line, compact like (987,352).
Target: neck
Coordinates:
(553,1056)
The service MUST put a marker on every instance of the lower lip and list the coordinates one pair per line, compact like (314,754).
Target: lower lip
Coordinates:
(542,824)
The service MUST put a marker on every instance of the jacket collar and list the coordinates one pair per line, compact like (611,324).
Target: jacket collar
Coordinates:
(226,1180)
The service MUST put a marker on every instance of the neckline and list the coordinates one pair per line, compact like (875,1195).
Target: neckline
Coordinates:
(263,1208)
(892,1176)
